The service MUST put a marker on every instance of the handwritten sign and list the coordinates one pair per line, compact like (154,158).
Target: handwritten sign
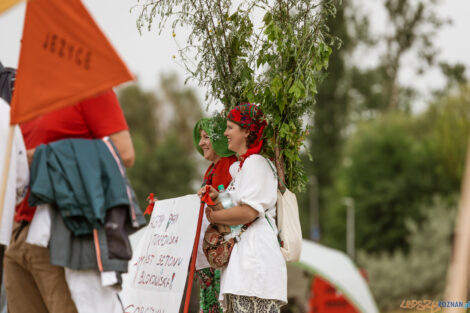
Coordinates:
(160,262)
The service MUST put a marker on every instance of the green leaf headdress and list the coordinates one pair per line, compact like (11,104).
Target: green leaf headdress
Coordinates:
(214,127)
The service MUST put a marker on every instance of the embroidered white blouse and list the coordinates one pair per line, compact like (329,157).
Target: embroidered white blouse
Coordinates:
(256,267)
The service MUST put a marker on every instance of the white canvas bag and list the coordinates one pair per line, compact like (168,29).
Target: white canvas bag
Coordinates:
(288,223)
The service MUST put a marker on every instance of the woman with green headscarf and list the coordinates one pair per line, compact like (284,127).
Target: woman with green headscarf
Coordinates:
(210,142)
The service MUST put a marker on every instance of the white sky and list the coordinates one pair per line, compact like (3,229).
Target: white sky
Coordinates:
(149,54)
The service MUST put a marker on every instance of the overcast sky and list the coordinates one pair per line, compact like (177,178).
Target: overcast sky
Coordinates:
(149,54)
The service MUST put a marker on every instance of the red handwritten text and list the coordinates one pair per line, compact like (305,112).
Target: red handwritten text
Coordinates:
(156,280)
(142,309)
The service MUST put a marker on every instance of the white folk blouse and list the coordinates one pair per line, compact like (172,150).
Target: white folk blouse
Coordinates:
(256,267)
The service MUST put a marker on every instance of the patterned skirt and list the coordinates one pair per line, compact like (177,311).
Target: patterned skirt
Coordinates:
(245,304)
(209,282)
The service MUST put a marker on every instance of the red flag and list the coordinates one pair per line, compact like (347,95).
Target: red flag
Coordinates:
(151,200)
(64,58)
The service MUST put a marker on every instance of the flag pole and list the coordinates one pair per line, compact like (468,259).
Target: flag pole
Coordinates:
(6,169)
(456,289)
(193,259)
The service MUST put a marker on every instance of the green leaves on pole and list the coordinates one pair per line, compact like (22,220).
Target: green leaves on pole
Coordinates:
(276,65)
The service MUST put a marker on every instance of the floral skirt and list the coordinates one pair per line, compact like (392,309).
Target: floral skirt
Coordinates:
(245,304)
(209,282)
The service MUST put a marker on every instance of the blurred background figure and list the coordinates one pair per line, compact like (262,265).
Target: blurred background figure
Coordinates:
(210,142)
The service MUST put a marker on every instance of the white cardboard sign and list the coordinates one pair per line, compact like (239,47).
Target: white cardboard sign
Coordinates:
(160,262)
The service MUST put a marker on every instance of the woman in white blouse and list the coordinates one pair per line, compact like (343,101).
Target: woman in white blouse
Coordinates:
(255,279)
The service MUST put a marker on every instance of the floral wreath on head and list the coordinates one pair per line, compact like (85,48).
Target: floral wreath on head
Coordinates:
(249,116)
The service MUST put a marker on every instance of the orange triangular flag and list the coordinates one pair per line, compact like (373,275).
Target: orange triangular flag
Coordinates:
(64,58)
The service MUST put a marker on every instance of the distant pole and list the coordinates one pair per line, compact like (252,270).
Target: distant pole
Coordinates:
(350,227)
(457,273)
(6,168)
(314,208)
(192,266)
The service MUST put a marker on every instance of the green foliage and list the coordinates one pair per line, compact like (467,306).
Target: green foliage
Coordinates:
(420,273)
(331,111)
(394,165)
(294,55)
(414,25)
(219,48)
(276,65)
(165,169)
(139,109)
(451,131)
(163,163)
(387,182)
(352,93)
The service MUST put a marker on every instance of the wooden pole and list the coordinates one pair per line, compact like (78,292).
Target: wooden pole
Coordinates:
(192,267)
(6,169)
(456,289)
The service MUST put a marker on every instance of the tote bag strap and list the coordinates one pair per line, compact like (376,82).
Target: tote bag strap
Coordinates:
(282,186)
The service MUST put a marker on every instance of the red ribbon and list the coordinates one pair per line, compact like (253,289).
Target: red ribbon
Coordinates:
(151,199)
(206,198)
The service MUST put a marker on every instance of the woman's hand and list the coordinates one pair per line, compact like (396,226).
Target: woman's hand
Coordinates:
(209,214)
(30,155)
(212,192)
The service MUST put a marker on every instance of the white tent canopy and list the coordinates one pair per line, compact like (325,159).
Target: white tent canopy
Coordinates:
(337,268)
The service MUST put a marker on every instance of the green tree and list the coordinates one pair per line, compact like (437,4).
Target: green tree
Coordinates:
(414,25)
(450,118)
(393,166)
(140,109)
(160,123)
(350,94)
(387,183)
(185,110)
(331,111)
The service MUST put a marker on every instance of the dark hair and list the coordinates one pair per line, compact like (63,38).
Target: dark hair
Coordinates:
(251,138)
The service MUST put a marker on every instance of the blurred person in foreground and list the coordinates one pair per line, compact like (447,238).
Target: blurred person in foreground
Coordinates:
(32,283)
(18,171)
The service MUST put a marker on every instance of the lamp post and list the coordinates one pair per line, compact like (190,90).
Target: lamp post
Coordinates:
(350,227)
(313,200)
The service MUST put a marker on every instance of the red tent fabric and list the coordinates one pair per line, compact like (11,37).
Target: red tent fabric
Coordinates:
(64,58)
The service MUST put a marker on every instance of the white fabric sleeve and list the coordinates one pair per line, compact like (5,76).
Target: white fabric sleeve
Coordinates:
(257,186)
(22,168)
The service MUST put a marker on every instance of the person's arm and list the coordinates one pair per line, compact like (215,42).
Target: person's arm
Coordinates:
(123,142)
(240,214)
(30,155)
